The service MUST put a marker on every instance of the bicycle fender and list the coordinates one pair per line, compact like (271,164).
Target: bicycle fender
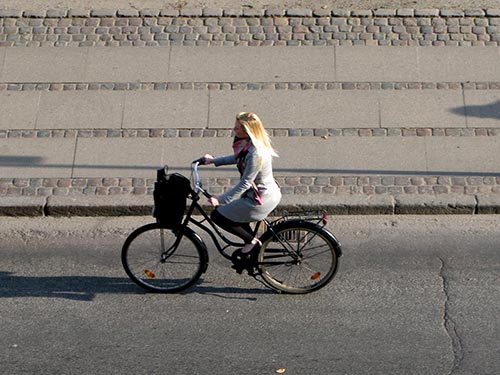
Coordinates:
(301,223)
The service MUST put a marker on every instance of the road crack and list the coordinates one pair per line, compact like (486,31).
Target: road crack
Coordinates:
(449,324)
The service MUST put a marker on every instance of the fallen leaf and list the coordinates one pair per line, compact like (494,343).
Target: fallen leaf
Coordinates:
(324,137)
(281,370)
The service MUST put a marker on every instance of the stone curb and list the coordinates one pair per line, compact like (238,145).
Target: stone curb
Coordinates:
(22,206)
(335,205)
(443,204)
(248,86)
(227,133)
(271,12)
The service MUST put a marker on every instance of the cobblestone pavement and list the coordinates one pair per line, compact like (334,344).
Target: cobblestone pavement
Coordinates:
(226,27)
(339,185)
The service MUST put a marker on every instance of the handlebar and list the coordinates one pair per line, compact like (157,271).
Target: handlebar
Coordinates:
(197,181)
(200,161)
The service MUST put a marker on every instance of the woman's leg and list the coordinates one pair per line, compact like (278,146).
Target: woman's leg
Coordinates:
(242,230)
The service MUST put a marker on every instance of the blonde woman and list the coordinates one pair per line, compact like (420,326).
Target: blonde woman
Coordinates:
(257,193)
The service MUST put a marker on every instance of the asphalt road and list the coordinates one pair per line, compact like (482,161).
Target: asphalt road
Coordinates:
(413,295)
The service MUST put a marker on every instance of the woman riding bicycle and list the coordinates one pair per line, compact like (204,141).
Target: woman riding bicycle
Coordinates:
(297,254)
(257,193)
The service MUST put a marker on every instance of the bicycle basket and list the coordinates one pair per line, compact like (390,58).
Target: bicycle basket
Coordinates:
(170,193)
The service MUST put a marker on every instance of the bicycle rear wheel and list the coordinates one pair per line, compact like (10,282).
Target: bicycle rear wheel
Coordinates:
(298,258)
(158,260)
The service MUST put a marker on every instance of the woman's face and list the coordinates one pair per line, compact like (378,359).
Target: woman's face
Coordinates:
(239,130)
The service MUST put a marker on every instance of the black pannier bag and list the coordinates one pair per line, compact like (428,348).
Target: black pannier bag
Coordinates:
(170,193)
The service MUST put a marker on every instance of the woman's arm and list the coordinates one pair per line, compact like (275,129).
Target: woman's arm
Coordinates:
(249,174)
(224,160)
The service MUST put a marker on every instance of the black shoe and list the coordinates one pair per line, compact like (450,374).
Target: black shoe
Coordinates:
(238,268)
(238,261)
(244,261)
(252,254)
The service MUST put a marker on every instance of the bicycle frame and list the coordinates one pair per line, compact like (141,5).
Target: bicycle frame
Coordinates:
(221,241)
(219,237)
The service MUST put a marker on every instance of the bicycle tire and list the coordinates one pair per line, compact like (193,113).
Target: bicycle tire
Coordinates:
(152,262)
(299,257)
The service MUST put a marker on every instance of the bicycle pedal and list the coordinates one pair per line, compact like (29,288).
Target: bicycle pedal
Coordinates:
(251,272)
(238,268)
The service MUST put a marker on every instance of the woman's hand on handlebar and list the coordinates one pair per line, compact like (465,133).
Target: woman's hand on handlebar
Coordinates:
(206,159)
(214,200)
(209,159)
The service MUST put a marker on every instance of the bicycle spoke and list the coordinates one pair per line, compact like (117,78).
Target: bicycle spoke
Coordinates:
(327,251)
(298,259)
(158,260)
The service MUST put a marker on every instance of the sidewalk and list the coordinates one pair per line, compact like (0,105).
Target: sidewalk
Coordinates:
(358,129)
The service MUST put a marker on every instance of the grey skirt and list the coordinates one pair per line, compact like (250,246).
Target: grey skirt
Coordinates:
(246,209)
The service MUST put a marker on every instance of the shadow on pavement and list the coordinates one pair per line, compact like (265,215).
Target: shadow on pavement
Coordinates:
(229,292)
(80,288)
(16,161)
(29,162)
(86,288)
(481,111)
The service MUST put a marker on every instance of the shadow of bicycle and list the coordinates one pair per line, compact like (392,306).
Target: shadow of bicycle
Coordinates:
(86,288)
(79,288)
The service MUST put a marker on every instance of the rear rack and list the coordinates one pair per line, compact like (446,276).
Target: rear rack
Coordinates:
(316,216)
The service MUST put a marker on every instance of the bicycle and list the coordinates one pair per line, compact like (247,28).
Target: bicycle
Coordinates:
(298,254)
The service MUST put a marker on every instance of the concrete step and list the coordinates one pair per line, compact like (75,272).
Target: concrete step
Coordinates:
(279,108)
(272,64)
(299,156)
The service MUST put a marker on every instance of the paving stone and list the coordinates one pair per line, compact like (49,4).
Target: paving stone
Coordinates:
(405,12)
(213,12)
(321,12)
(103,13)
(452,13)
(296,12)
(493,12)
(127,13)
(384,12)
(253,12)
(56,13)
(10,13)
(426,12)
(34,13)
(149,12)
(474,12)
(362,13)
(186,12)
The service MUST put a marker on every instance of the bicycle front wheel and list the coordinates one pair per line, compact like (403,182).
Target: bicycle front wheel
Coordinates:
(161,260)
(299,257)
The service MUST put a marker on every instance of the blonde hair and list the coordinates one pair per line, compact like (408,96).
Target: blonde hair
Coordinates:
(257,133)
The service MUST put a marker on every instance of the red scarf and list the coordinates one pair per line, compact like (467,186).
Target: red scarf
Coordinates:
(240,148)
